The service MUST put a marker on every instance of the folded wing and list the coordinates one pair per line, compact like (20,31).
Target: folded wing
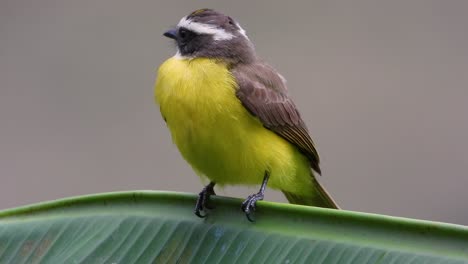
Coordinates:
(263,92)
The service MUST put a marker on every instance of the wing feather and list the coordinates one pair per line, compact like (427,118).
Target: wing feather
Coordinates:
(263,93)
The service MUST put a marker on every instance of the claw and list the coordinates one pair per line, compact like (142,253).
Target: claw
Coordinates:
(198,213)
(202,200)
(250,204)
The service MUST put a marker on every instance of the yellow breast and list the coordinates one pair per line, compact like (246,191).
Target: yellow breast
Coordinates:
(211,128)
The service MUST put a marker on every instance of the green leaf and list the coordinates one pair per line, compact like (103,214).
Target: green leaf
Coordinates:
(160,227)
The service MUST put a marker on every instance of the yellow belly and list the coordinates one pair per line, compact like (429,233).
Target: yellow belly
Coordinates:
(216,134)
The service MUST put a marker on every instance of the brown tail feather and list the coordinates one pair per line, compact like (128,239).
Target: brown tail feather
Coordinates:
(320,197)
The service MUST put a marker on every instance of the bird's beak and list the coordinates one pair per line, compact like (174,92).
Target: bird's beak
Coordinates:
(172,33)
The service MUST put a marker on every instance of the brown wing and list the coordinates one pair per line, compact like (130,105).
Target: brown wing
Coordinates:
(263,92)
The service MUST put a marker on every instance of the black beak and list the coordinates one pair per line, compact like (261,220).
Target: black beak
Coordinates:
(171,34)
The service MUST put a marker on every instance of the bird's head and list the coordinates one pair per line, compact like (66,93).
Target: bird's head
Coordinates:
(211,34)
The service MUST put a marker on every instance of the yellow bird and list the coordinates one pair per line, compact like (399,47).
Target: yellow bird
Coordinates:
(231,117)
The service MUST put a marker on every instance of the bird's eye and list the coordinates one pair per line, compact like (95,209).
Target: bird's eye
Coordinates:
(182,33)
(185,35)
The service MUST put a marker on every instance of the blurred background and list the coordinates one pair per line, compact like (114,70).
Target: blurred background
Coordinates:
(383,87)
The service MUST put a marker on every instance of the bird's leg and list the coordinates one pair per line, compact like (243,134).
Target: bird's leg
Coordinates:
(249,205)
(202,200)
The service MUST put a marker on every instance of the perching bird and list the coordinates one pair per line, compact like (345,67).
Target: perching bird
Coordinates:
(230,115)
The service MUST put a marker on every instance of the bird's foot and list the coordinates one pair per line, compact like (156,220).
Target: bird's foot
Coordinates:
(250,204)
(202,201)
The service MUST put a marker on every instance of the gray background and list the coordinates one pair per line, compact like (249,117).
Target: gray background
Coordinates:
(383,87)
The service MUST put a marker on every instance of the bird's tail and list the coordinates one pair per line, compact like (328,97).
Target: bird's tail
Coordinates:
(319,197)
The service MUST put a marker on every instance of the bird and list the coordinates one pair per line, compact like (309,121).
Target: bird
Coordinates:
(230,115)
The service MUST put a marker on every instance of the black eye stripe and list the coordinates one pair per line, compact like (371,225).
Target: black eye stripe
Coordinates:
(184,35)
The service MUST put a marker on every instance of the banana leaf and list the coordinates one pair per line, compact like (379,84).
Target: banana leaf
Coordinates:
(160,227)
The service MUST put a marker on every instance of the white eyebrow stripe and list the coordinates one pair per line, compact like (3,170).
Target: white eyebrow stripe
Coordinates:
(200,28)
(242,31)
